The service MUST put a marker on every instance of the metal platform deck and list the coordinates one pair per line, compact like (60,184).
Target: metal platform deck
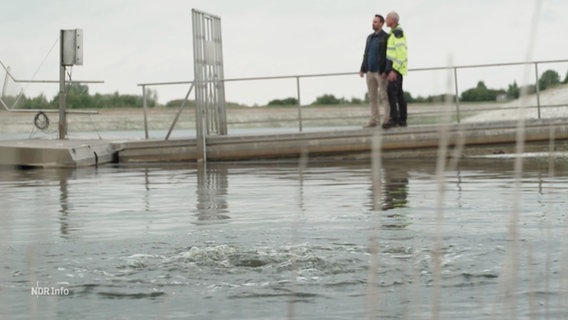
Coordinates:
(56,153)
(413,141)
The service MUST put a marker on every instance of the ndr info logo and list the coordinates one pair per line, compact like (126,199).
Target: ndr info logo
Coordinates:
(48,291)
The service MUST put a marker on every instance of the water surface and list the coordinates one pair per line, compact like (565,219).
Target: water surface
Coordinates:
(282,240)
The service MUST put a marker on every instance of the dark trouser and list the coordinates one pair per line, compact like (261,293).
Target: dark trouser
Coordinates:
(396,100)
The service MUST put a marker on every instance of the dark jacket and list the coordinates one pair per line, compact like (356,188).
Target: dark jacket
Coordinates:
(382,58)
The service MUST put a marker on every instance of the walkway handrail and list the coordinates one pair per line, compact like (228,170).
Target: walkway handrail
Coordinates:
(43,81)
(355,73)
(298,77)
(11,109)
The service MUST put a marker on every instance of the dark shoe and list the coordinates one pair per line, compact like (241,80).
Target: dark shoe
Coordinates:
(389,124)
(370,125)
(402,124)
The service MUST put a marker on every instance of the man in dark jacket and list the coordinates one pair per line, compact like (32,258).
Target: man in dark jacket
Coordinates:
(373,66)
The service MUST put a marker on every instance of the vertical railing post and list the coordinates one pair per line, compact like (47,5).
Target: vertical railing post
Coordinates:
(537,86)
(62,98)
(201,137)
(299,103)
(457,94)
(145,106)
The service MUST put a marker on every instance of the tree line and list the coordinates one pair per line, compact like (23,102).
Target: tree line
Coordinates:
(78,97)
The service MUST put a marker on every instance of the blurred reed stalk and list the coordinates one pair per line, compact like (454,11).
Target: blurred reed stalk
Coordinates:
(441,164)
(372,297)
(302,165)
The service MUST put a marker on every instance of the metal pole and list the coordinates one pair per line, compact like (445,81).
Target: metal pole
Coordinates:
(5,82)
(223,130)
(62,98)
(537,86)
(198,61)
(457,94)
(145,105)
(203,143)
(299,103)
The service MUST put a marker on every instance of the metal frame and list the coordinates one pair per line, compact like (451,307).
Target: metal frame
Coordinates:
(211,117)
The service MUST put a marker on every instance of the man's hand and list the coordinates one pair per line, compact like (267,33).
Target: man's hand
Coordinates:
(392,76)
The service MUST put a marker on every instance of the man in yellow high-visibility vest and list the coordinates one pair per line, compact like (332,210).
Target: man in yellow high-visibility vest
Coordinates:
(397,67)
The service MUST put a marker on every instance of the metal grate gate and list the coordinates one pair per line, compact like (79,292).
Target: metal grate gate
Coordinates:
(211,116)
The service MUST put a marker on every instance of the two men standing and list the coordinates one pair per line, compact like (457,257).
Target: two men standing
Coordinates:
(385,63)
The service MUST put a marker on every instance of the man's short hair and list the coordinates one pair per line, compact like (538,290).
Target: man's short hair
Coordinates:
(381,18)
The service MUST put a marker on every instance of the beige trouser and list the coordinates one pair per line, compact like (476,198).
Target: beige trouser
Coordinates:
(377,88)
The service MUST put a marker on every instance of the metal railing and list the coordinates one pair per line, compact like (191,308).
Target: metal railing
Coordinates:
(11,108)
(454,69)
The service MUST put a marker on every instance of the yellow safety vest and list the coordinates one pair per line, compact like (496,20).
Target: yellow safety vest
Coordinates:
(397,50)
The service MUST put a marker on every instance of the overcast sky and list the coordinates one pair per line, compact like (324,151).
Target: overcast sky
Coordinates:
(128,42)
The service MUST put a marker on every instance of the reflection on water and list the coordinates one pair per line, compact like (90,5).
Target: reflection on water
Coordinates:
(256,240)
(395,187)
(64,176)
(212,185)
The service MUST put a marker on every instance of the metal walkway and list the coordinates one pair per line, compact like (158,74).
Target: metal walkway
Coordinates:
(411,142)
